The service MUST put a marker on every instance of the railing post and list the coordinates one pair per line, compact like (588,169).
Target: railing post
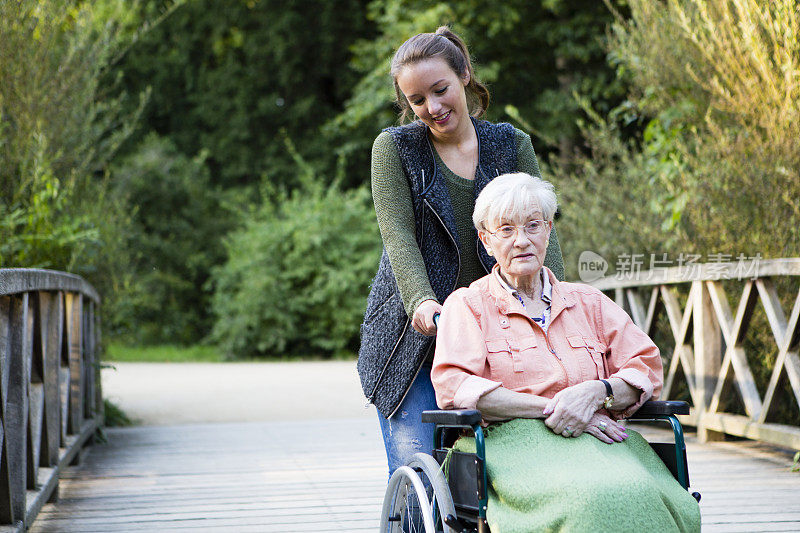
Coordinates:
(15,413)
(708,356)
(74,322)
(51,310)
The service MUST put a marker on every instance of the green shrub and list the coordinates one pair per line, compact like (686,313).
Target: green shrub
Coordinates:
(297,274)
(175,237)
(57,131)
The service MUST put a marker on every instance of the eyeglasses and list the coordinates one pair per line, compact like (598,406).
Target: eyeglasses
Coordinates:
(509,231)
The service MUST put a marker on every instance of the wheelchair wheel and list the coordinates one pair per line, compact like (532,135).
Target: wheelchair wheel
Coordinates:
(417,498)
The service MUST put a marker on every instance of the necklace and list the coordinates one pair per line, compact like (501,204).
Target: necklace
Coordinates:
(539,319)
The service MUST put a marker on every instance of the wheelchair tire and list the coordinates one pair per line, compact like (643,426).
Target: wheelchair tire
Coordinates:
(417,498)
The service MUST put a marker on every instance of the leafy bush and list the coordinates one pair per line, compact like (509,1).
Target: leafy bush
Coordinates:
(614,199)
(174,239)
(57,131)
(718,167)
(297,274)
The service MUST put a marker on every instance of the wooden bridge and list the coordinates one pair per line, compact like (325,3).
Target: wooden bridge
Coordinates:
(328,475)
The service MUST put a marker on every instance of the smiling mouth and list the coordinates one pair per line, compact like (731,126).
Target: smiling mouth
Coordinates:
(442,118)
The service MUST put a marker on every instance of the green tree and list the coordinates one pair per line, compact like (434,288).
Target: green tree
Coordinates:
(723,74)
(227,77)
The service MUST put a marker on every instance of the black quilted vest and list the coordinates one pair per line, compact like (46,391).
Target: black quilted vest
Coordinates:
(392,353)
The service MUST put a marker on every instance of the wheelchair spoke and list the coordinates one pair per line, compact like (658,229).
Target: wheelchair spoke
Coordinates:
(417,498)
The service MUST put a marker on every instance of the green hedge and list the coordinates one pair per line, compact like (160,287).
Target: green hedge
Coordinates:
(297,274)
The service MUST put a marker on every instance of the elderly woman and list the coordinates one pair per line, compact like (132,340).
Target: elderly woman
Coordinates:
(560,363)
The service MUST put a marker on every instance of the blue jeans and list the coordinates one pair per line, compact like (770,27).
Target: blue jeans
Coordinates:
(404,434)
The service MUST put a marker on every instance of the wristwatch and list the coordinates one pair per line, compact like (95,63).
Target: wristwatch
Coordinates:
(608,401)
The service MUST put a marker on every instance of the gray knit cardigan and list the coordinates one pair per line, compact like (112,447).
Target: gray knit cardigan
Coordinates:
(392,352)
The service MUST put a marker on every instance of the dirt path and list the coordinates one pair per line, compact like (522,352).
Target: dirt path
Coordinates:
(190,393)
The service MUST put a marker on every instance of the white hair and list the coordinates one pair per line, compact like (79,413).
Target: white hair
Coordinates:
(513,196)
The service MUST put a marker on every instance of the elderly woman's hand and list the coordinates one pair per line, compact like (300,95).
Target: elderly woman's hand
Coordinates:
(606,429)
(570,410)
(422,321)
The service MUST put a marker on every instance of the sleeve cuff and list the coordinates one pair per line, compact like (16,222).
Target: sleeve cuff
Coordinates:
(471,390)
(412,308)
(637,380)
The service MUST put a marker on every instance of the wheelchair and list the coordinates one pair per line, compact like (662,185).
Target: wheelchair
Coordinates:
(420,498)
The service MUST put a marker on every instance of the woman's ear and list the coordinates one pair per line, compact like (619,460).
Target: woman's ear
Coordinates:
(465,78)
(484,237)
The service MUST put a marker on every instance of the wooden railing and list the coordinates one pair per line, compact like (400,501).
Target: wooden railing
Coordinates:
(50,401)
(709,341)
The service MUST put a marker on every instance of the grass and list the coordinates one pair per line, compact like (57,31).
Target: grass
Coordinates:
(163,354)
(114,416)
(169,353)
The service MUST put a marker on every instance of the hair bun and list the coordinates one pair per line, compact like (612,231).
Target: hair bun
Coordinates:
(444,31)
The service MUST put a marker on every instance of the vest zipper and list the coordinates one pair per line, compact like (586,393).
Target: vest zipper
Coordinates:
(455,243)
(412,381)
(455,284)
(386,365)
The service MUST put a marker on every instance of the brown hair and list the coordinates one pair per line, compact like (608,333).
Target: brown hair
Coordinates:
(448,46)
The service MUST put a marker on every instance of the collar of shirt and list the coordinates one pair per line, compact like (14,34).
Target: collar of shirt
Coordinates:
(547,287)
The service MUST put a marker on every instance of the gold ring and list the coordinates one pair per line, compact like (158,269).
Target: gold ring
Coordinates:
(602,426)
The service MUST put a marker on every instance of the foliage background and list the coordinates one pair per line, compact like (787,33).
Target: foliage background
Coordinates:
(205,164)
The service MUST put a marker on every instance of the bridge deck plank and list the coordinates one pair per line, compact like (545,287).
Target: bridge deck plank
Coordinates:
(329,476)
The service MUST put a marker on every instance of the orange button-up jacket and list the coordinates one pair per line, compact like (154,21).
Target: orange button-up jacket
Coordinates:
(486,340)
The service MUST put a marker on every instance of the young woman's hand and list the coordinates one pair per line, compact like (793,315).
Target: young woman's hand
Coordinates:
(423,317)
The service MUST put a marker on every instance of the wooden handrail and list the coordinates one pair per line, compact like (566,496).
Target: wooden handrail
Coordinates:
(715,354)
(50,399)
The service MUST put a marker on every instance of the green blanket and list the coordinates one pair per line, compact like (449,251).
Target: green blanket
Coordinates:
(539,481)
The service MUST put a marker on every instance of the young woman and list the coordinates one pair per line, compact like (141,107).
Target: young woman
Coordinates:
(425,178)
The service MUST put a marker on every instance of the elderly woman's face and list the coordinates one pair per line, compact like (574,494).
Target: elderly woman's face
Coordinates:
(522,254)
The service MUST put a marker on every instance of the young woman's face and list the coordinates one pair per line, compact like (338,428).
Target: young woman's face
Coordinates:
(436,94)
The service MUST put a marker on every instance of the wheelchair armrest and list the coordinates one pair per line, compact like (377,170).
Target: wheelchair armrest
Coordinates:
(653,408)
(452,417)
